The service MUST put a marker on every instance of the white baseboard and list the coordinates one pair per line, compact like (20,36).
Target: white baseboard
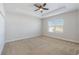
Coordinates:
(21,38)
(70,40)
(42,35)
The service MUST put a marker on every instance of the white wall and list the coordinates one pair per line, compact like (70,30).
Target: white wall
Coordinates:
(2,9)
(2,28)
(70,26)
(78,25)
(21,26)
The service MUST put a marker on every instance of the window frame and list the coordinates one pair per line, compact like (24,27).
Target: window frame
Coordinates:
(55,31)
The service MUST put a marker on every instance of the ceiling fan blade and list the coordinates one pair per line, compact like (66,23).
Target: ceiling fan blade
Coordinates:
(36,9)
(36,5)
(44,4)
(45,8)
(41,11)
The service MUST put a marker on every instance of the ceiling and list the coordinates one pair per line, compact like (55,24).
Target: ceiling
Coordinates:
(28,8)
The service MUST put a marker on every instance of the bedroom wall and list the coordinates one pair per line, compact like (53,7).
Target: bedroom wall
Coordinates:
(78,25)
(70,27)
(2,27)
(20,26)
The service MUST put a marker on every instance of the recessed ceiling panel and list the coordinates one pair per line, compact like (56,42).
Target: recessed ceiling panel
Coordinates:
(28,8)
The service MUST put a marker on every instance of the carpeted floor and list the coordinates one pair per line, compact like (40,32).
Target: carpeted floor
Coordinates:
(41,46)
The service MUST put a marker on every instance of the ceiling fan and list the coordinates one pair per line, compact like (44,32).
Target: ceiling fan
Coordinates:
(40,7)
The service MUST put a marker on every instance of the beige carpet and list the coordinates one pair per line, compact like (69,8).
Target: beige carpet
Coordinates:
(41,46)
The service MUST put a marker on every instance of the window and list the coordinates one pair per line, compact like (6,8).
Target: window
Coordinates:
(55,25)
